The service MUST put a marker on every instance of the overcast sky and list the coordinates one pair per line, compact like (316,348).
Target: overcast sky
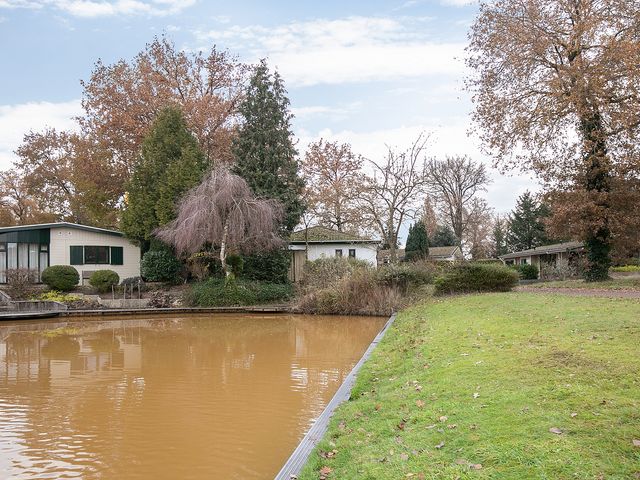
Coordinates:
(368,72)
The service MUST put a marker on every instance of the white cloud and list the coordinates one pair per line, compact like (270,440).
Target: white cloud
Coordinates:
(17,120)
(352,49)
(458,3)
(104,8)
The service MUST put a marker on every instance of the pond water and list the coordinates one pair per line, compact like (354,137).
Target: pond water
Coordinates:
(218,396)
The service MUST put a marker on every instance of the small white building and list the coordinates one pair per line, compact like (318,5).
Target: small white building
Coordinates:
(87,249)
(318,242)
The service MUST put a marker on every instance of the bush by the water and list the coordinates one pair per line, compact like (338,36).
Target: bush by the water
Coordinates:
(61,277)
(19,283)
(324,272)
(56,296)
(527,271)
(477,277)
(406,275)
(358,293)
(236,264)
(103,280)
(270,267)
(160,266)
(218,292)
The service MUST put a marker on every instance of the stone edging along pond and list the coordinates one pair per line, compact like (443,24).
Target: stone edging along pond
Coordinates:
(300,455)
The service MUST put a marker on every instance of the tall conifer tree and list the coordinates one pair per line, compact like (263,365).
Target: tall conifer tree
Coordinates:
(417,246)
(264,152)
(526,227)
(171,162)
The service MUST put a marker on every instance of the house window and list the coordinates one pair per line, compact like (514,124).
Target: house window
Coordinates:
(352,253)
(97,255)
(338,252)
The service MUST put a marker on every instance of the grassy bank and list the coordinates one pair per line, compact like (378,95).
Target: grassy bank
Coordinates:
(613,284)
(476,386)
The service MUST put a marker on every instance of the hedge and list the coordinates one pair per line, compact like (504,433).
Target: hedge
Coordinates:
(103,280)
(61,277)
(218,292)
(477,277)
(160,266)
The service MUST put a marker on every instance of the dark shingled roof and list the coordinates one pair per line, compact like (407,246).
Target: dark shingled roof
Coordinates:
(76,226)
(546,249)
(326,235)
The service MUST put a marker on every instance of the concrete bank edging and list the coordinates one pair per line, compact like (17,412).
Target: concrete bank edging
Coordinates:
(300,455)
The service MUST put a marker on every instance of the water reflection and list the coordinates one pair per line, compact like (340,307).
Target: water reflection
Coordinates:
(199,397)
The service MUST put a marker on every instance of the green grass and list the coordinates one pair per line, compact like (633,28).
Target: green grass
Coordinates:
(480,380)
(613,284)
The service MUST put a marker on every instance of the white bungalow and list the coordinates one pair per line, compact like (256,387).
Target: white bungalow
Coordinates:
(87,249)
(320,242)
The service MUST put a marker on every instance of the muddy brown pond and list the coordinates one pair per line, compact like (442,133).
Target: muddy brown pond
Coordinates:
(212,397)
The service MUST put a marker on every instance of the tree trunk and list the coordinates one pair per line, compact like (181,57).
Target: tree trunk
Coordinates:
(598,182)
(223,251)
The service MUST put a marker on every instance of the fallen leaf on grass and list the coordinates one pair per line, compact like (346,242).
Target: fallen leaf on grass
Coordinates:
(440,445)
(555,430)
(452,426)
(324,472)
(574,415)
(420,403)
(378,406)
(475,466)
(476,395)
(443,418)
(330,454)
(636,443)
(404,457)
(402,423)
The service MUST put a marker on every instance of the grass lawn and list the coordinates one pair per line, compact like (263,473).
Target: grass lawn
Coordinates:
(614,284)
(472,387)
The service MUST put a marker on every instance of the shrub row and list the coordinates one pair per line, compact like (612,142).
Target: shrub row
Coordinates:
(626,268)
(527,271)
(476,277)
(216,292)
(359,293)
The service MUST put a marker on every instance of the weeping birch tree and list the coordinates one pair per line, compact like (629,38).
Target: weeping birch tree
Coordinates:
(224,215)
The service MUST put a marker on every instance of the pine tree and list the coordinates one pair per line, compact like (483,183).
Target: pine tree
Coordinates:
(499,237)
(264,152)
(443,237)
(526,227)
(171,163)
(417,246)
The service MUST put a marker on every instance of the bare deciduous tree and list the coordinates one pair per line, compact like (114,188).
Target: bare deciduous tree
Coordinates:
(332,175)
(392,194)
(223,213)
(454,182)
(479,227)
(556,91)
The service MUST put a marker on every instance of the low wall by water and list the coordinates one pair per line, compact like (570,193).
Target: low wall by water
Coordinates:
(125,303)
(37,306)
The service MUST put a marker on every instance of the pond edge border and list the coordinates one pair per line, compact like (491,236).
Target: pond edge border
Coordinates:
(298,459)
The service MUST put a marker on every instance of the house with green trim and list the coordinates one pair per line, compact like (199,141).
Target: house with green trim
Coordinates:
(87,249)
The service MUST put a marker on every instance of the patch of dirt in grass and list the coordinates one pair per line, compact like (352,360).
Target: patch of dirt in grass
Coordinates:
(567,359)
